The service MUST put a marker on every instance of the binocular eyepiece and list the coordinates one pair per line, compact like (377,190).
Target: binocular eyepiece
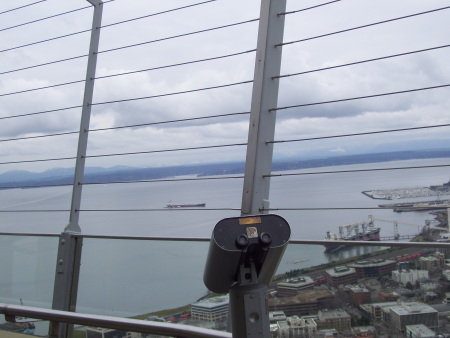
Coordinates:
(242,242)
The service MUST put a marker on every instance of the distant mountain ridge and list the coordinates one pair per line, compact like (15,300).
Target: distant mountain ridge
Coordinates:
(64,176)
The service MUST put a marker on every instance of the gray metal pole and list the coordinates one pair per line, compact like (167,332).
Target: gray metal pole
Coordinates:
(69,249)
(85,117)
(255,196)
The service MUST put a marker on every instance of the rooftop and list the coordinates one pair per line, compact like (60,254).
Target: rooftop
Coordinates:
(340,271)
(303,296)
(420,330)
(297,282)
(212,302)
(373,262)
(404,309)
(358,289)
(335,313)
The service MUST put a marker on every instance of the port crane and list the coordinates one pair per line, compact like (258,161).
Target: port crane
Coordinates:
(347,231)
(396,223)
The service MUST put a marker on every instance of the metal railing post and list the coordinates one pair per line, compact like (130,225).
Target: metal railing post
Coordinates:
(255,196)
(69,249)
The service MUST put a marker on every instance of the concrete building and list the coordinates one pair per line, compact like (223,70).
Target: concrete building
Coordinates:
(419,331)
(359,295)
(412,276)
(430,262)
(279,329)
(429,296)
(327,333)
(340,275)
(298,327)
(276,316)
(428,285)
(388,296)
(337,319)
(376,309)
(405,314)
(293,285)
(443,311)
(373,268)
(305,302)
(447,298)
(364,332)
(92,332)
(210,309)
(446,274)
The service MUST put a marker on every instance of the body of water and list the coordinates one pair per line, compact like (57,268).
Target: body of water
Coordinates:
(129,277)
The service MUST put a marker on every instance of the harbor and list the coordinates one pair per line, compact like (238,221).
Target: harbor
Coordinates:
(418,206)
(412,192)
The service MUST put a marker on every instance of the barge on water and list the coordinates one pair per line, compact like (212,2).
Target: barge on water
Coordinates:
(364,231)
(196,205)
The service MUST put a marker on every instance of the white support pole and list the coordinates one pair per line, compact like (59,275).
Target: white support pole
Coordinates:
(255,196)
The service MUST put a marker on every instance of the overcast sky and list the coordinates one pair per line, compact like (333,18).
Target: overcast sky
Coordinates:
(419,70)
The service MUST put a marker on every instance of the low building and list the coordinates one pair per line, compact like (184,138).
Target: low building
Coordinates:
(210,309)
(388,296)
(446,274)
(340,275)
(447,298)
(302,327)
(430,262)
(292,286)
(359,295)
(428,285)
(276,316)
(411,276)
(419,331)
(327,333)
(281,330)
(429,297)
(443,310)
(376,309)
(412,313)
(373,268)
(337,319)
(305,302)
(92,332)
(364,332)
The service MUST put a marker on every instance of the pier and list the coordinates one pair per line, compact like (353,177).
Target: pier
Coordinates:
(417,206)
(396,238)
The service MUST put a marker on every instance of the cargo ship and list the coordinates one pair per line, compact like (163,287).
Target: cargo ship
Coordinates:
(363,231)
(197,205)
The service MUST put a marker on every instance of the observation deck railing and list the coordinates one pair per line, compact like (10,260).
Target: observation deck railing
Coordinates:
(311,82)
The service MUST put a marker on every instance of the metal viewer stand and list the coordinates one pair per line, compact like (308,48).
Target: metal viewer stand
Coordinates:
(243,256)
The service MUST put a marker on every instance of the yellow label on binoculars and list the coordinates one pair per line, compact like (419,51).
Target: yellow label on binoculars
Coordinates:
(249,220)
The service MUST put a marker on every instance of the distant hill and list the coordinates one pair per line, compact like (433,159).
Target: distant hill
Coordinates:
(64,176)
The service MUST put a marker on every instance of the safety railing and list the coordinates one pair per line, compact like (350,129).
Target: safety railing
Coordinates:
(134,277)
(117,323)
(162,98)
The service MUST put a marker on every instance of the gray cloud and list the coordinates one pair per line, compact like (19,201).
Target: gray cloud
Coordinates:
(399,111)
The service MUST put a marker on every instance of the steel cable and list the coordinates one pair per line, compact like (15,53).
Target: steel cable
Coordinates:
(104,26)
(128,126)
(20,7)
(128,46)
(133,71)
(359,134)
(362,61)
(308,8)
(360,97)
(363,26)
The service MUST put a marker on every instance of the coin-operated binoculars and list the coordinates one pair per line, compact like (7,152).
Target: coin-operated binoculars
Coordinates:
(244,253)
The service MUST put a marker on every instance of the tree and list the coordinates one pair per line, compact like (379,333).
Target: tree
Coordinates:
(409,286)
